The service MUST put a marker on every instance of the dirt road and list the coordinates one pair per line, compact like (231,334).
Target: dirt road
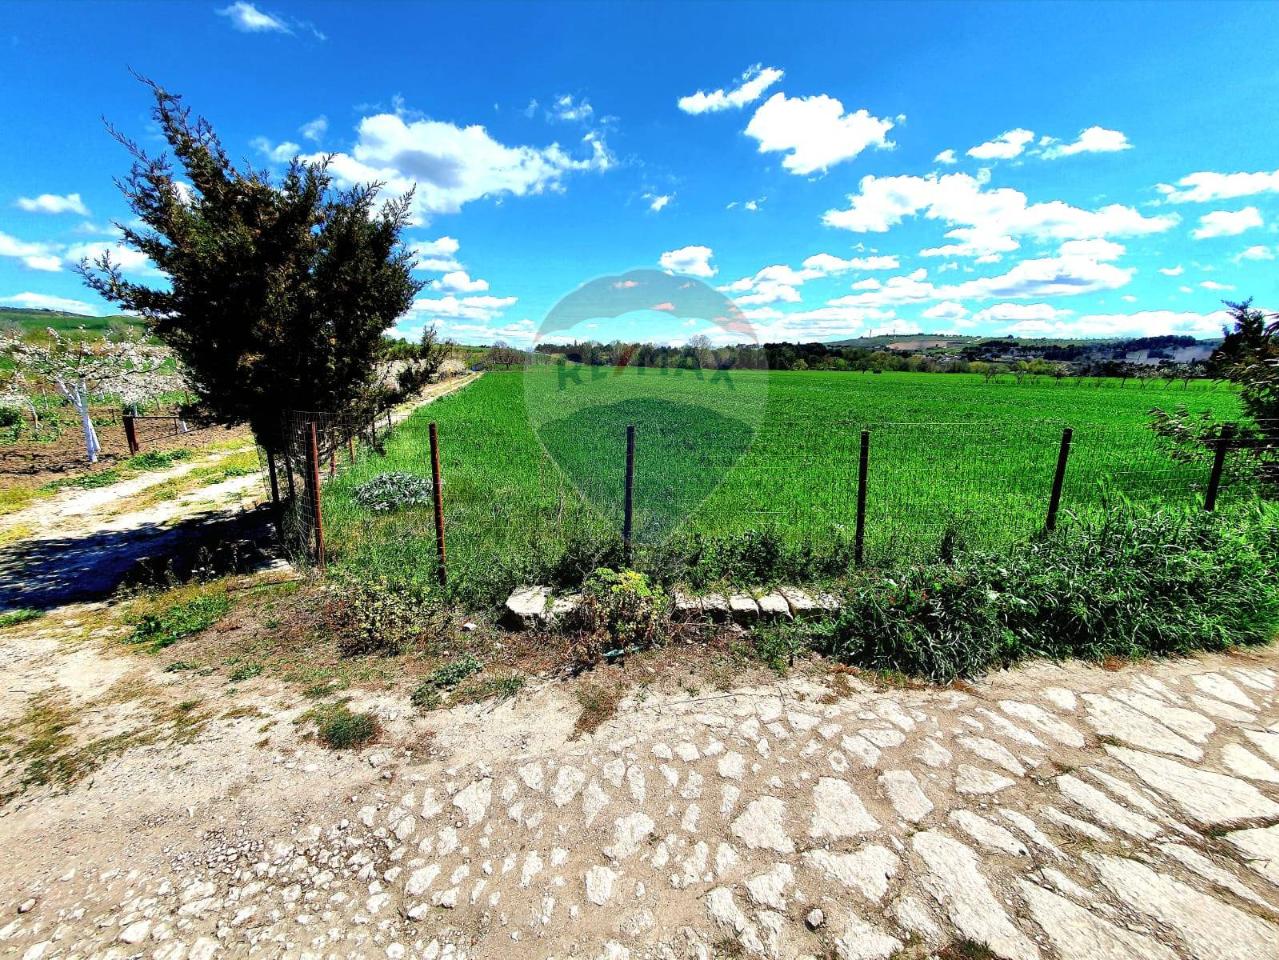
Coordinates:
(1049,811)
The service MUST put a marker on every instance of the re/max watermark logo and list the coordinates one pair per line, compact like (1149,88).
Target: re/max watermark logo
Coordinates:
(570,374)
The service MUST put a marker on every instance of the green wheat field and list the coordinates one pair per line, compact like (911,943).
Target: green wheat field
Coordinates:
(534,466)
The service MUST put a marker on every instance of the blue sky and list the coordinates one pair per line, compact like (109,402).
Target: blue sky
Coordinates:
(837,169)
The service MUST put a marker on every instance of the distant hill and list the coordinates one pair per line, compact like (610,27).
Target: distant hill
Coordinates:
(35,322)
(1139,350)
(955,341)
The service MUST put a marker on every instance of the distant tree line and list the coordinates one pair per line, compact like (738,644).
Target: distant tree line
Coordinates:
(991,359)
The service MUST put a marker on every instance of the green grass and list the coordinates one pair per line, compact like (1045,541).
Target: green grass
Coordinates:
(751,476)
(242,464)
(340,728)
(124,470)
(167,626)
(11,618)
(1127,585)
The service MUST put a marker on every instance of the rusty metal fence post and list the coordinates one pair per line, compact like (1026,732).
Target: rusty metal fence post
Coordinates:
(131,433)
(313,456)
(1218,466)
(863,466)
(628,503)
(437,491)
(1059,479)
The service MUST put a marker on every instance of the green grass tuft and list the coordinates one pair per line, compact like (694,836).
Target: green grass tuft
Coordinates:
(11,618)
(340,728)
(246,672)
(159,630)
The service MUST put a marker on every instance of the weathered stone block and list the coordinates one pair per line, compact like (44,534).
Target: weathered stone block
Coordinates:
(526,607)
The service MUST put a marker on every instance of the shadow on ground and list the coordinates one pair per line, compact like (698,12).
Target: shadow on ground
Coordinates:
(42,573)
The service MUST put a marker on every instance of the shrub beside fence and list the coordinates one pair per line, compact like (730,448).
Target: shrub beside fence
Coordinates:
(316,446)
(877,492)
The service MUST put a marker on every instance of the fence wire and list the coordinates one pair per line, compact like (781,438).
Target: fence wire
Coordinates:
(317,446)
(515,502)
(147,430)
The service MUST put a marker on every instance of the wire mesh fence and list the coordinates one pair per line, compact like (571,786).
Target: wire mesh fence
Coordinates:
(315,447)
(516,502)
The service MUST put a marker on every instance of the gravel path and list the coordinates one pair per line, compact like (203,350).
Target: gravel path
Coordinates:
(1046,812)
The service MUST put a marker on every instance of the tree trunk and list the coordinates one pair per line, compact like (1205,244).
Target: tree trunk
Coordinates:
(91,446)
(79,397)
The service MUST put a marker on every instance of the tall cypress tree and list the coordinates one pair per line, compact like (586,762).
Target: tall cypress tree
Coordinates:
(278,294)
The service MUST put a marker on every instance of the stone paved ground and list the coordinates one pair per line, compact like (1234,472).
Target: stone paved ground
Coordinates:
(1045,812)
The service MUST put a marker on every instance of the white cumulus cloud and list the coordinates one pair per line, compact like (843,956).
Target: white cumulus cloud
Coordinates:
(43,301)
(34,256)
(1019,312)
(569,110)
(1206,186)
(461,282)
(126,258)
(1004,147)
(275,152)
(780,283)
(451,165)
(1254,253)
(481,308)
(1092,140)
(1144,323)
(695,261)
(946,156)
(946,310)
(54,203)
(829,264)
(815,133)
(750,87)
(1227,223)
(1076,269)
(984,222)
(436,256)
(315,129)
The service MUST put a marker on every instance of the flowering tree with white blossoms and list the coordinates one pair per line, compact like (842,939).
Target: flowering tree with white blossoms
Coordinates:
(81,369)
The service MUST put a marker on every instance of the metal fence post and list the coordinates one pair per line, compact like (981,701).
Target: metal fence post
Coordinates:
(437,491)
(1059,478)
(628,511)
(863,465)
(131,433)
(270,472)
(1218,466)
(314,458)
